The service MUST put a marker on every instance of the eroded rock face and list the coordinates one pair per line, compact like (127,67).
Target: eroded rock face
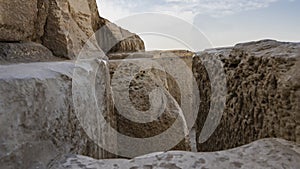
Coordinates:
(262,93)
(156,56)
(63,26)
(138,75)
(26,52)
(23,20)
(37,115)
(17,19)
(113,38)
(140,98)
(267,153)
(69,26)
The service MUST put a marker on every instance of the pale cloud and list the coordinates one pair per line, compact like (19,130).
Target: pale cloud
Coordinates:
(111,10)
(187,9)
(215,18)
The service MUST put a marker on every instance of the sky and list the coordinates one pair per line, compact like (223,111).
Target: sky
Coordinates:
(222,22)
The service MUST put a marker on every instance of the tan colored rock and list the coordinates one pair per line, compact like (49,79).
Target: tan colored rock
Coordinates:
(22,20)
(139,89)
(157,56)
(63,26)
(139,76)
(262,93)
(262,154)
(38,119)
(113,38)
(68,28)
(40,22)
(26,52)
(70,24)
(185,55)
(17,19)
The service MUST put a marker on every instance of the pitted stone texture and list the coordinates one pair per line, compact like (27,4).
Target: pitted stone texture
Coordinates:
(37,119)
(263,93)
(26,52)
(143,83)
(170,83)
(22,20)
(140,86)
(185,55)
(68,27)
(262,154)
(17,19)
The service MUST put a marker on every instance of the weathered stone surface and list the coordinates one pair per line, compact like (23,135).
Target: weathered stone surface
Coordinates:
(40,22)
(263,93)
(22,20)
(139,76)
(17,19)
(68,27)
(24,53)
(185,55)
(63,26)
(37,114)
(262,154)
(171,85)
(140,87)
(112,38)
(70,24)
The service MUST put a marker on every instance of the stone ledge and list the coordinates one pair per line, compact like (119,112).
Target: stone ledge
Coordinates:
(37,116)
(262,93)
(266,153)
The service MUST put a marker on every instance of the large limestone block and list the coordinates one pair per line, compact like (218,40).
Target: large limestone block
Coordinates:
(139,77)
(25,52)
(140,97)
(22,20)
(112,38)
(63,26)
(263,93)
(38,120)
(71,23)
(68,27)
(157,56)
(262,154)
(17,19)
